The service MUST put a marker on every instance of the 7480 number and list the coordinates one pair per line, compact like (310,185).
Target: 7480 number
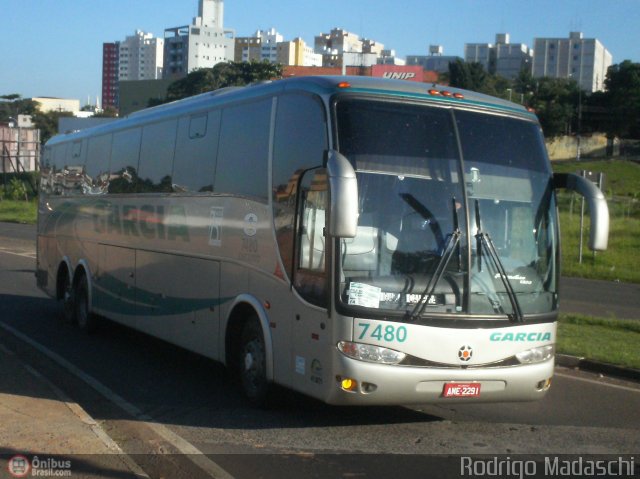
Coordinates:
(387,333)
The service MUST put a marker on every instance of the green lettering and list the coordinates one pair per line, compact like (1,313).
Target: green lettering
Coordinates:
(521,336)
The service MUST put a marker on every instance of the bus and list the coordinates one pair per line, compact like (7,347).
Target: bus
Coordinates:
(361,241)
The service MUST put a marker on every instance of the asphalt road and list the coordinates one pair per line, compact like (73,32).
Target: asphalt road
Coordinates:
(147,388)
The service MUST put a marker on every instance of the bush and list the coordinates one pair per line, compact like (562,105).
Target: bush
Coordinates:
(16,190)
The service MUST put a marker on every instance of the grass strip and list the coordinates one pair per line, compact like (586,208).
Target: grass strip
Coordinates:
(18,211)
(612,341)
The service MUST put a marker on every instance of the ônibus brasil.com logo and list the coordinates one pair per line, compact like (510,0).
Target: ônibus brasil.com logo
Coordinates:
(21,466)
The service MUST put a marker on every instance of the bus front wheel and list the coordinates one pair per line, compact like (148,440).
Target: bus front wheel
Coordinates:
(253,363)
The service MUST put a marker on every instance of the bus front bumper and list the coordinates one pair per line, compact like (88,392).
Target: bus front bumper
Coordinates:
(379,384)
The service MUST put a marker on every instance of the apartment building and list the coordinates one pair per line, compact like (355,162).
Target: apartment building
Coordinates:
(263,46)
(140,57)
(341,48)
(203,44)
(585,60)
(297,53)
(500,58)
(137,57)
(110,70)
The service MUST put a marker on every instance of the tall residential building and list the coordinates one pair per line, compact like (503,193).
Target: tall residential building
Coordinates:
(110,65)
(298,53)
(202,44)
(262,46)
(342,48)
(141,57)
(585,60)
(137,57)
(502,58)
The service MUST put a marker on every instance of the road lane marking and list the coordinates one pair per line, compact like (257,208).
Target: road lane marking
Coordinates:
(86,418)
(191,452)
(599,383)
(27,254)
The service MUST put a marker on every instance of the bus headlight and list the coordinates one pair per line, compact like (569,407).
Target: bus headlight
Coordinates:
(370,353)
(536,355)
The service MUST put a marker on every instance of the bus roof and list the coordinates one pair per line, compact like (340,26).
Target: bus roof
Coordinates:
(323,85)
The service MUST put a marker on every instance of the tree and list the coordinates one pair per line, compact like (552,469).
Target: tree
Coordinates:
(13,105)
(623,100)
(555,102)
(222,75)
(470,76)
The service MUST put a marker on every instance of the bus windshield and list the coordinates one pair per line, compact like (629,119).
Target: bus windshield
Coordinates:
(456,213)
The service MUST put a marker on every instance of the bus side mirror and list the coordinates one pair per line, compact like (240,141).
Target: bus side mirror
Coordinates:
(343,189)
(598,208)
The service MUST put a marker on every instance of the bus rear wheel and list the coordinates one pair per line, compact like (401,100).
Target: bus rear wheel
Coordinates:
(252,364)
(85,320)
(68,307)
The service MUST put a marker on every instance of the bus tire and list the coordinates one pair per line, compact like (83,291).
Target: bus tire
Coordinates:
(66,299)
(252,363)
(85,319)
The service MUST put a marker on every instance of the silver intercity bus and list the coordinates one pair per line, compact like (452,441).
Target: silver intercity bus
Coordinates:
(358,240)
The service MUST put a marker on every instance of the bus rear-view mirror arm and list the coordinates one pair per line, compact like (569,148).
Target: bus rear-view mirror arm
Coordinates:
(598,209)
(343,190)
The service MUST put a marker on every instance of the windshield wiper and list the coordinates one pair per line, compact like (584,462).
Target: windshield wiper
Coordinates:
(452,244)
(483,239)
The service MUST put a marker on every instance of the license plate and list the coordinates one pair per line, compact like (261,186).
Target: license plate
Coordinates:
(461,390)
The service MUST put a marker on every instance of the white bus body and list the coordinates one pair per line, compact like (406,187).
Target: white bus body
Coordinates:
(357,240)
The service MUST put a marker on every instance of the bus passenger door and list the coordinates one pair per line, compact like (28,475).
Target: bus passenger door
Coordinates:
(311,330)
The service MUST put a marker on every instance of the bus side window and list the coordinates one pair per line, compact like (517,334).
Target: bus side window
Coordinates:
(124,161)
(194,165)
(156,156)
(97,166)
(243,155)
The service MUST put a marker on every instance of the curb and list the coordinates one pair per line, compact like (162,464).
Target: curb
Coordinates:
(576,362)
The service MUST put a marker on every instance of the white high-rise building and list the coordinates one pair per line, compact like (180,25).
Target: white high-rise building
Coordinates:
(140,57)
(202,44)
(260,47)
(343,48)
(585,60)
(502,58)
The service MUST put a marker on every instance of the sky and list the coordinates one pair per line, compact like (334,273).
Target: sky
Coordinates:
(54,47)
